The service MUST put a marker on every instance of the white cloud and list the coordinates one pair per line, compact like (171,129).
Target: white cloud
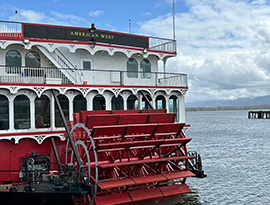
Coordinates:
(30,16)
(223,46)
(96,13)
(53,18)
(146,14)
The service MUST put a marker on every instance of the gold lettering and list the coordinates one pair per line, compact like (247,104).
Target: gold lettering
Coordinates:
(71,33)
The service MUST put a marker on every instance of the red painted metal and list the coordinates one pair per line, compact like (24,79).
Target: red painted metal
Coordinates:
(136,161)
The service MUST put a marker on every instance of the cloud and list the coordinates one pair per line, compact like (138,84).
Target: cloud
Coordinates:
(52,18)
(96,13)
(146,14)
(223,46)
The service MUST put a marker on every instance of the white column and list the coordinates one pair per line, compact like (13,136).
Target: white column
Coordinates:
(167,98)
(52,112)
(140,101)
(70,99)
(125,101)
(89,99)
(182,112)
(108,102)
(11,113)
(154,102)
(164,65)
(32,113)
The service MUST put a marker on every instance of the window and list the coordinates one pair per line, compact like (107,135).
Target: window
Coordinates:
(13,62)
(132,103)
(42,112)
(79,103)
(4,113)
(87,65)
(99,103)
(174,106)
(160,102)
(132,68)
(65,107)
(32,59)
(145,69)
(117,103)
(21,112)
(145,105)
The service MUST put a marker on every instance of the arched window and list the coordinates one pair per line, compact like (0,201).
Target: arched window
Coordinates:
(160,102)
(145,105)
(132,103)
(117,103)
(79,103)
(21,112)
(174,106)
(145,68)
(32,59)
(4,113)
(13,62)
(42,112)
(65,107)
(99,103)
(132,68)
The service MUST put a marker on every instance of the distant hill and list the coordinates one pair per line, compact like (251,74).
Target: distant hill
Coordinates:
(240,102)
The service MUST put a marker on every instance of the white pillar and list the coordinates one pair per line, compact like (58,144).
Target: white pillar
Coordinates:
(90,96)
(70,99)
(182,112)
(139,101)
(52,112)
(11,113)
(32,113)
(167,98)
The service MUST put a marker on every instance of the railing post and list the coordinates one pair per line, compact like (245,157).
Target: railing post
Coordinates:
(121,78)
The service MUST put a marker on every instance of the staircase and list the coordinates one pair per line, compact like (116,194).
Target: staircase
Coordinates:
(62,62)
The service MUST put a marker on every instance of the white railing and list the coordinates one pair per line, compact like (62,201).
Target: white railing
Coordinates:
(12,74)
(162,44)
(10,29)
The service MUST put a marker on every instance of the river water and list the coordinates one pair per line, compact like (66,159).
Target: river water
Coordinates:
(236,157)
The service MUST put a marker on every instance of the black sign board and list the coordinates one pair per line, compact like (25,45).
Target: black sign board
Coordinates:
(77,34)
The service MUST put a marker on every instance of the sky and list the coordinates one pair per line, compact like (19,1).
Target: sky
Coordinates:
(223,45)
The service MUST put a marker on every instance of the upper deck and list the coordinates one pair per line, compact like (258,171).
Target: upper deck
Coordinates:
(69,49)
(62,34)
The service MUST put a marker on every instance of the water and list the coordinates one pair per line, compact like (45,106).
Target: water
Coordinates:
(236,157)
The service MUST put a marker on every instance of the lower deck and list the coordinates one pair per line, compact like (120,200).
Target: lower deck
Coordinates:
(27,109)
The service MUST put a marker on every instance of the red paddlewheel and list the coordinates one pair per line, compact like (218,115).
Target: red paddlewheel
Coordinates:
(131,156)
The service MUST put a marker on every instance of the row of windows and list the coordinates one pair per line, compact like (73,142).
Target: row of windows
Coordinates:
(22,117)
(14,61)
(132,68)
(32,59)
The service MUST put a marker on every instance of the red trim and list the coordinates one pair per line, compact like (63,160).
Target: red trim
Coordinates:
(88,86)
(31,133)
(22,30)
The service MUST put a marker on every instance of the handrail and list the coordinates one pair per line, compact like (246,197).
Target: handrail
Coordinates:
(47,75)
(63,56)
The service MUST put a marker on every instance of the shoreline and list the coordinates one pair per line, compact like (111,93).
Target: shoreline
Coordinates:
(252,107)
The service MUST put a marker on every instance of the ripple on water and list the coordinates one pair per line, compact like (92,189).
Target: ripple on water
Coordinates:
(236,157)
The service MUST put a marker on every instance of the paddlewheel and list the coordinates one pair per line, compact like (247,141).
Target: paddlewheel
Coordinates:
(129,156)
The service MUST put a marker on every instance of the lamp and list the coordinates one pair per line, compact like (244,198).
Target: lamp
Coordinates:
(26,41)
(144,51)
